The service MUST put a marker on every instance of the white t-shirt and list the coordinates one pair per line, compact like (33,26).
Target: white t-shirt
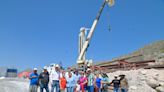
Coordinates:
(77,77)
(54,75)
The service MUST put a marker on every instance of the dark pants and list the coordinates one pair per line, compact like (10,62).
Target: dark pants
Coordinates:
(55,84)
(44,86)
(123,90)
(104,88)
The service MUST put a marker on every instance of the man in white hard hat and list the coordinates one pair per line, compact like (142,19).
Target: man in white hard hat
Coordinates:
(44,80)
(55,76)
(33,81)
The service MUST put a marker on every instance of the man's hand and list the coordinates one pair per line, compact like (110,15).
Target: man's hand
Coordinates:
(34,76)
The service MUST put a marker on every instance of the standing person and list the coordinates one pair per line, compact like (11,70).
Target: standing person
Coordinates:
(123,83)
(116,84)
(44,80)
(63,82)
(33,81)
(98,83)
(90,80)
(104,82)
(76,75)
(83,82)
(70,82)
(55,76)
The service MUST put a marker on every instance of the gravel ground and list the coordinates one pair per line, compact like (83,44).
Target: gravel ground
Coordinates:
(13,85)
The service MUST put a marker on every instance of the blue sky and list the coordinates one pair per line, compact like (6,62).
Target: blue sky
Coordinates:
(39,32)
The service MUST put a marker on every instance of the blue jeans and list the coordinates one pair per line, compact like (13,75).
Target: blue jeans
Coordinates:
(55,84)
(44,86)
(116,89)
(70,89)
(123,90)
(90,88)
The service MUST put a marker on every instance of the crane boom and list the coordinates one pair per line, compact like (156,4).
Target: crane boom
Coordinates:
(86,44)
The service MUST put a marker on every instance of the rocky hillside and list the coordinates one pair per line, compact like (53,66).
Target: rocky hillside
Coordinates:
(153,51)
(149,52)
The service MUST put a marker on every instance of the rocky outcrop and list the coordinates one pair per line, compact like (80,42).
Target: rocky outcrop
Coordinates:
(143,80)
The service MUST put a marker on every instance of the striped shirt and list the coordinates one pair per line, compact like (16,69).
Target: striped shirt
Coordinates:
(91,79)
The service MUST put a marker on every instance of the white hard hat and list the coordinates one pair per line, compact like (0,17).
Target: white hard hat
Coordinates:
(54,64)
(88,69)
(57,65)
(35,69)
(45,67)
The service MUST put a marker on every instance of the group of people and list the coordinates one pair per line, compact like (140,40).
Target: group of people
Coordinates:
(74,81)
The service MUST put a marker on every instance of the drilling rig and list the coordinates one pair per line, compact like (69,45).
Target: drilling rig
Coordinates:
(85,39)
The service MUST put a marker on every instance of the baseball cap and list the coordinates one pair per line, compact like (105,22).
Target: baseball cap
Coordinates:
(115,75)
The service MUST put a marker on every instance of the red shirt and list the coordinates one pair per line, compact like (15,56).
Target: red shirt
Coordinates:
(63,83)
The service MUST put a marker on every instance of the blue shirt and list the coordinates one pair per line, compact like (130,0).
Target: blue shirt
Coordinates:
(98,82)
(71,82)
(34,81)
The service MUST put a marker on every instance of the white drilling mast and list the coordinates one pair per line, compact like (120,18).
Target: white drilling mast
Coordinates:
(84,39)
